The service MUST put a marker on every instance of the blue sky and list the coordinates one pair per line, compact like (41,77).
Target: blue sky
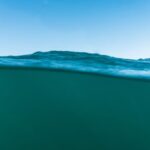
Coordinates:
(119,28)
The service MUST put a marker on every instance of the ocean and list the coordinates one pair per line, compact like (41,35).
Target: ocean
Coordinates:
(82,62)
(74,101)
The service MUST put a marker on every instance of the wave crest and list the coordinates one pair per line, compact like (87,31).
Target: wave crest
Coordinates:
(81,61)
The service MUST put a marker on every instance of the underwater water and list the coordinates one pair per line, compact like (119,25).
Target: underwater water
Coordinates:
(74,101)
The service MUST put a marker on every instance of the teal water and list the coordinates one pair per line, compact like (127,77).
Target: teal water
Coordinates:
(44,107)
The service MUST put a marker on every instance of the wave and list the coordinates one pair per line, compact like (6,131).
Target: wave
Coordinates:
(83,62)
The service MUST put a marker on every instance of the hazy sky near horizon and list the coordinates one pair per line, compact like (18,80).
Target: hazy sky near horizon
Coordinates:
(119,28)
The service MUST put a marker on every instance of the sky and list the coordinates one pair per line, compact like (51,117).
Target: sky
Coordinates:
(119,28)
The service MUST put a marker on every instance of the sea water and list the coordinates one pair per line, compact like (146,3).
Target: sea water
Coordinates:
(82,62)
(74,101)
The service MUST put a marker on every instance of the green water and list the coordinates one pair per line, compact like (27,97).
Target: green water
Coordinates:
(56,110)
